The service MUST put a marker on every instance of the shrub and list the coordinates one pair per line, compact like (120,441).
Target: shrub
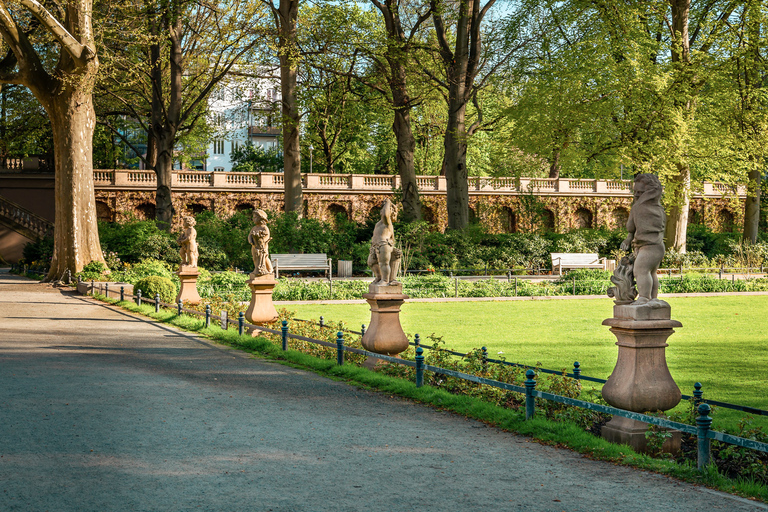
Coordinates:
(39,252)
(151,285)
(93,271)
(138,239)
(150,267)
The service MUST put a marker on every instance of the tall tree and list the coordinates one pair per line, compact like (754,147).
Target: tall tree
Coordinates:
(65,91)
(463,56)
(286,14)
(185,49)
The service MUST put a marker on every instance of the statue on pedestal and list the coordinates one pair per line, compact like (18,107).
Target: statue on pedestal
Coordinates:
(188,268)
(646,233)
(259,238)
(384,258)
(262,283)
(385,295)
(188,242)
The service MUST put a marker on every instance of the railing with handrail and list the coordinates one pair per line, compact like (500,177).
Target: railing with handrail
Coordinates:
(25,219)
(127,178)
(702,429)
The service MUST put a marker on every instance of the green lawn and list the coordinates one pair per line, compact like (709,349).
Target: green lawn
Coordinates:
(723,342)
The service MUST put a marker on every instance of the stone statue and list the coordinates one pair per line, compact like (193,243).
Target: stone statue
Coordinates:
(646,233)
(384,257)
(259,239)
(188,242)
(624,291)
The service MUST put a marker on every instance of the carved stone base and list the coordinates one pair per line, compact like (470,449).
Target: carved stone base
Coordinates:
(261,310)
(385,334)
(641,381)
(188,288)
(632,433)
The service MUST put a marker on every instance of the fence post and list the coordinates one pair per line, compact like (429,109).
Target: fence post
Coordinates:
(698,395)
(138,298)
(362,330)
(419,367)
(284,334)
(720,272)
(106,290)
(340,348)
(576,370)
(330,284)
(224,319)
(574,285)
(456,287)
(704,421)
(93,290)
(485,360)
(240,323)
(157,302)
(322,321)
(515,286)
(178,308)
(530,385)
(122,293)
(207,315)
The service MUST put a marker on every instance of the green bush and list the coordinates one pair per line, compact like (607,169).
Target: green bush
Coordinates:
(39,252)
(136,240)
(93,271)
(151,285)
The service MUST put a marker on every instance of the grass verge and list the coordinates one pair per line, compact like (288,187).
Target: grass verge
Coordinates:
(561,434)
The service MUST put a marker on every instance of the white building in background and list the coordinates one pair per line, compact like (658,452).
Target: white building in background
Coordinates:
(242,110)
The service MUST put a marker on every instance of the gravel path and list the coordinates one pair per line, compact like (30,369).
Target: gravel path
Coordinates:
(102,411)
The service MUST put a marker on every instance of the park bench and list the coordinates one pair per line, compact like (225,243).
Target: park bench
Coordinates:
(301,262)
(561,260)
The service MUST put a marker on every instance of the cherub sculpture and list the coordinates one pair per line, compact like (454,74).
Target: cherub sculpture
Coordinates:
(259,239)
(384,257)
(188,242)
(646,233)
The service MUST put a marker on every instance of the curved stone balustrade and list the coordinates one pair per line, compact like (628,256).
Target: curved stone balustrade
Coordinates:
(124,179)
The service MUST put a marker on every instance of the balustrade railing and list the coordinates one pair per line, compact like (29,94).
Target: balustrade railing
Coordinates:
(119,178)
(23,218)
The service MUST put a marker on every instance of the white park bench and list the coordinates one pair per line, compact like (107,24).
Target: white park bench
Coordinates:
(562,260)
(301,262)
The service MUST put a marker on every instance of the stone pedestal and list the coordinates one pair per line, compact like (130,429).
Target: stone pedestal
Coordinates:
(641,381)
(261,310)
(188,288)
(385,334)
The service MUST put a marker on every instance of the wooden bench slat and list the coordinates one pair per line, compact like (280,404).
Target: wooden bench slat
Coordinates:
(561,260)
(301,262)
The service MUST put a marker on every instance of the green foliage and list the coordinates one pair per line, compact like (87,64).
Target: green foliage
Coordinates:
(148,267)
(136,240)
(250,158)
(94,271)
(39,252)
(151,285)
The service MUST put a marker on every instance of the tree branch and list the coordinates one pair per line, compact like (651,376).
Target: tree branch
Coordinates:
(78,51)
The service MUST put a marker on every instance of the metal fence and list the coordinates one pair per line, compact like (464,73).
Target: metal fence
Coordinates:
(702,430)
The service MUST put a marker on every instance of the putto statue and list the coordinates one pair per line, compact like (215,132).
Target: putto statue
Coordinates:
(384,257)
(188,242)
(646,233)
(259,239)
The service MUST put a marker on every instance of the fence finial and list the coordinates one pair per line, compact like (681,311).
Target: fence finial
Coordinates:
(704,422)
(340,348)
(530,385)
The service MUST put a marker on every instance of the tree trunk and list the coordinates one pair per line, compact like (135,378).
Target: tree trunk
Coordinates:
(456,170)
(406,147)
(76,234)
(677,192)
(554,167)
(677,220)
(164,211)
(752,206)
(288,70)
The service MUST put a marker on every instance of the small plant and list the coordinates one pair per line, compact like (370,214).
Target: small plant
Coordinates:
(151,285)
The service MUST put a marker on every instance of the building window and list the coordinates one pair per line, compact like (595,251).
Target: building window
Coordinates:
(218,169)
(218,147)
(235,145)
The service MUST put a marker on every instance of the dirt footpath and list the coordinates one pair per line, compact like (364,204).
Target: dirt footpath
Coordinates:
(104,411)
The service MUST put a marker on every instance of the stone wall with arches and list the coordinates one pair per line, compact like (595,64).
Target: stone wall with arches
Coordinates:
(498,213)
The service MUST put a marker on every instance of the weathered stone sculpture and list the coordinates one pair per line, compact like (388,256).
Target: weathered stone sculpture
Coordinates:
(188,268)
(262,282)
(646,233)
(385,295)
(188,243)
(641,381)
(384,257)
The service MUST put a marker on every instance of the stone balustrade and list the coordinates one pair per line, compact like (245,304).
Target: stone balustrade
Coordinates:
(127,179)
(22,220)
